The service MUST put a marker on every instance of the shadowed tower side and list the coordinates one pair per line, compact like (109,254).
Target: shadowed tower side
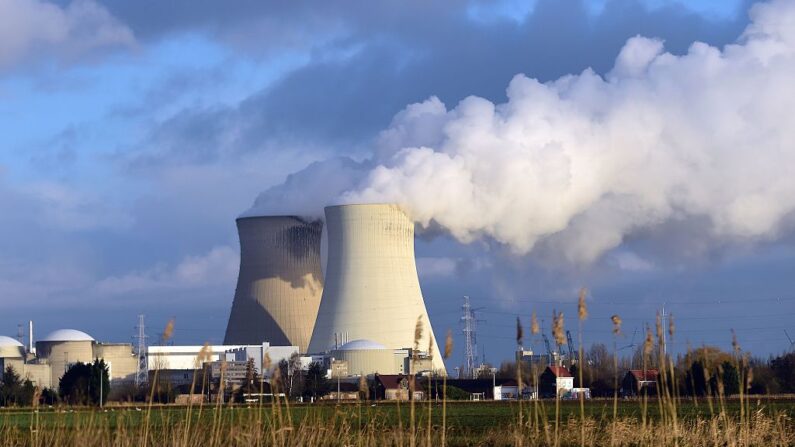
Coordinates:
(372,290)
(280,281)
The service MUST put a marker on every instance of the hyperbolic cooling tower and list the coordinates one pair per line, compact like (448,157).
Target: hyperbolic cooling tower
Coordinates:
(371,288)
(280,281)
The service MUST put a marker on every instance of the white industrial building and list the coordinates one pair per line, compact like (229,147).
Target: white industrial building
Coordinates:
(187,357)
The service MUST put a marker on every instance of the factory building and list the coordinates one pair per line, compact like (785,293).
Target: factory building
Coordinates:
(280,282)
(59,350)
(371,290)
(12,353)
(187,358)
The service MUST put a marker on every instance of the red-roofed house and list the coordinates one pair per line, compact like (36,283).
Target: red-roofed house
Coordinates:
(638,381)
(555,381)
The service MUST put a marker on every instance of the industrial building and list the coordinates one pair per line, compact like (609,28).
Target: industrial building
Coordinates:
(172,359)
(55,353)
(280,282)
(366,357)
(371,291)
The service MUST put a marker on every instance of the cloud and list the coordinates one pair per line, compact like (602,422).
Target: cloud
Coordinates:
(218,266)
(383,56)
(30,28)
(631,262)
(434,268)
(583,161)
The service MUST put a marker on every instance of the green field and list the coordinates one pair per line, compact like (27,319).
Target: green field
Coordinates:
(468,423)
(485,414)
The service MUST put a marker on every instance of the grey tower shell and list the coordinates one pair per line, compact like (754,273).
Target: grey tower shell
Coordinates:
(371,289)
(280,282)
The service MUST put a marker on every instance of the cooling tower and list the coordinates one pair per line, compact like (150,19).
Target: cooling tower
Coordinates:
(371,288)
(279,284)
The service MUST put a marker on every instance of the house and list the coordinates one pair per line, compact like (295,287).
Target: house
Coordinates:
(347,391)
(396,387)
(638,382)
(507,390)
(555,381)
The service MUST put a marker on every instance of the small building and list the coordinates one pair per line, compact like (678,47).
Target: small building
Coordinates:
(343,391)
(507,390)
(396,387)
(555,381)
(638,382)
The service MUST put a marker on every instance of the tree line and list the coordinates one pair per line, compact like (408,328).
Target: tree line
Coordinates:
(706,370)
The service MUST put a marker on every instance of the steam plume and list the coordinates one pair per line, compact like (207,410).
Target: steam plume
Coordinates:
(583,161)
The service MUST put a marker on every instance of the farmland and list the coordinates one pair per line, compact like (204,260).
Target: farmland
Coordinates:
(389,423)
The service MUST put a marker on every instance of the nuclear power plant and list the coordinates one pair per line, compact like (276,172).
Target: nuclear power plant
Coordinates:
(280,282)
(371,295)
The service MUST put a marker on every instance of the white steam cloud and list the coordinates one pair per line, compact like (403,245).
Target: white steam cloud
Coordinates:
(584,161)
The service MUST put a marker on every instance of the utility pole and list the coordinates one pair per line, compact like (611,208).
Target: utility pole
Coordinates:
(142,374)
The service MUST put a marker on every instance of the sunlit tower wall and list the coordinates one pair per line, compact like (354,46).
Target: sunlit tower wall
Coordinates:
(280,282)
(371,289)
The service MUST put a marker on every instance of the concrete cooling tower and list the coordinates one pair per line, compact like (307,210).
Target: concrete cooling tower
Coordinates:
(280,282)
(371,288)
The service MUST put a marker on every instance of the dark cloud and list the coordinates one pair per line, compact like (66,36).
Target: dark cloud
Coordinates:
(390,57)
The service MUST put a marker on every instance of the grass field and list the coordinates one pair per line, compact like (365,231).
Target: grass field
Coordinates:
(467,423)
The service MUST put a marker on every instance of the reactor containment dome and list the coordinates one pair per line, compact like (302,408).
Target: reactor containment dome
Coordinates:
(371,291)
(280,282)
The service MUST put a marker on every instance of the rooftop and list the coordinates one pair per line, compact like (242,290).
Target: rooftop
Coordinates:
(559,371)
(67,335)
(8,341)
(360,344)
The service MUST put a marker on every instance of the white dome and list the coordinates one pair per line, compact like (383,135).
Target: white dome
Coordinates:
(67,335)
(8,341)
(361,344)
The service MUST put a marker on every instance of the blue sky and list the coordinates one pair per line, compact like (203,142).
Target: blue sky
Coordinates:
(134,133)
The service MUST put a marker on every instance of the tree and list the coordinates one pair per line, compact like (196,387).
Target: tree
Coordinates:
(764,379)
(14,391)
(695,379)
(783,368)
(290,373)
(10,387)
(85,383)
(730,377)
(316,383)
(251,385)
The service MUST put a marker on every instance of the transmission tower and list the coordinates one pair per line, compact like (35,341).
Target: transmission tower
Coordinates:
(142,374)
(469,322)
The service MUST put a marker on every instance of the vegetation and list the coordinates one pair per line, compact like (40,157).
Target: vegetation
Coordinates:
(316,384)
(702,398)
(85,384)
(14,391)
